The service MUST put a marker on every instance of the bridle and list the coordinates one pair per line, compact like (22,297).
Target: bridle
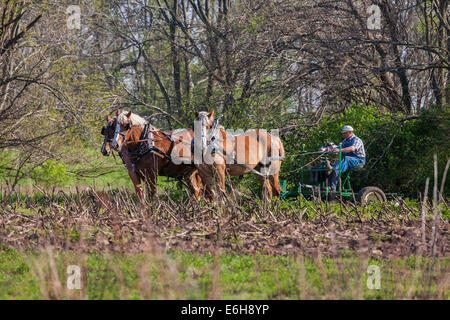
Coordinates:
(117,133)
(210,134)
(141,150)
(105,132)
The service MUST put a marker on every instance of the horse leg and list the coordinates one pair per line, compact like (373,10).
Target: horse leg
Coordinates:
(199,184)
(266,192)
(137,186)
(192,182)
(210,192)
(151,180)
(219,172)
(275,183)
(134,176)
(136,179)
(206,175)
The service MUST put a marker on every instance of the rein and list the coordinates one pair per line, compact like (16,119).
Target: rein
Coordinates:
(142,140)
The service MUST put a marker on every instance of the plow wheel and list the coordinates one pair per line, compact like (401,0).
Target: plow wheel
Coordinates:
(370,195)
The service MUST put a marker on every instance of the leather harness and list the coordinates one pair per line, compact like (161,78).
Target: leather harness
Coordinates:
(146,144)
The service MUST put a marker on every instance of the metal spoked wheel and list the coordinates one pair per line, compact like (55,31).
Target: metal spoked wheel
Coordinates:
(370,195)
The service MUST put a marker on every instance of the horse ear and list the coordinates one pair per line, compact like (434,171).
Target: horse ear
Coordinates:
(118,112)
(108,118)
(196,114)
(129,114)
(210,115)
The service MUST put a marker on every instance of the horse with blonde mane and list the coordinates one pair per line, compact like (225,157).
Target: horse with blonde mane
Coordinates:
(254,151)
(147,163)
(106,150)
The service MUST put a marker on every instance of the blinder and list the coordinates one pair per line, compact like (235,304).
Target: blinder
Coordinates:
(125,130)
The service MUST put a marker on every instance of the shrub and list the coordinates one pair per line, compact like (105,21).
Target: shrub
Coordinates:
(51,173)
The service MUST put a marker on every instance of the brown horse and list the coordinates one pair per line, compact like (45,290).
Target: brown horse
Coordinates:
(154,162)
(108,133)
(253,151)
(155,156)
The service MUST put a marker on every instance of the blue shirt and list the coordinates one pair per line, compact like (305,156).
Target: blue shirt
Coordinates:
(356,142)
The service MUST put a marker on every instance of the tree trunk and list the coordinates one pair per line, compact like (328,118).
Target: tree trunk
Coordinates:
(399,67)
(175,57)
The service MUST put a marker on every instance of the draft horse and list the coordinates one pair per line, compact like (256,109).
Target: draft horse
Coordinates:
(254,151)
(146,152)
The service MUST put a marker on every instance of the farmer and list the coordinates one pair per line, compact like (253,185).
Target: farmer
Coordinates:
(354,155)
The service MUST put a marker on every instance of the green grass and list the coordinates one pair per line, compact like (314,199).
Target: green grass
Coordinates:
(181,274)
(90,168)
(85,166)
(16,280)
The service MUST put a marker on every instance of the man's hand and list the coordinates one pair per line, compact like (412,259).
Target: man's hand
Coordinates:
(343,150)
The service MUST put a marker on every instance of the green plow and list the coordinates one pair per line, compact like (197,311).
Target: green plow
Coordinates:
(318,187)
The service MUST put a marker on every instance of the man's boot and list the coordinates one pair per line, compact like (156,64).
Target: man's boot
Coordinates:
(332,180)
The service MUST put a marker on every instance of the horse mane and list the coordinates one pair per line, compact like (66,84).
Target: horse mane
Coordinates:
(135,120)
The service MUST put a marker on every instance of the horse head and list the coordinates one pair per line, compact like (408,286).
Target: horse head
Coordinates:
(204,121)
(206,118)
(131,137)
(122,126)
(108,133)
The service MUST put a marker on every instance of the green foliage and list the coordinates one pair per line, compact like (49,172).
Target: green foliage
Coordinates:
(255,24)
(82,166)
(135,276)
(6,158)
(51,173)
(16,280)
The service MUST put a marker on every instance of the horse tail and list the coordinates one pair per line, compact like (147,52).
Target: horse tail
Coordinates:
(281,148)
(275,142)
(281,152)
